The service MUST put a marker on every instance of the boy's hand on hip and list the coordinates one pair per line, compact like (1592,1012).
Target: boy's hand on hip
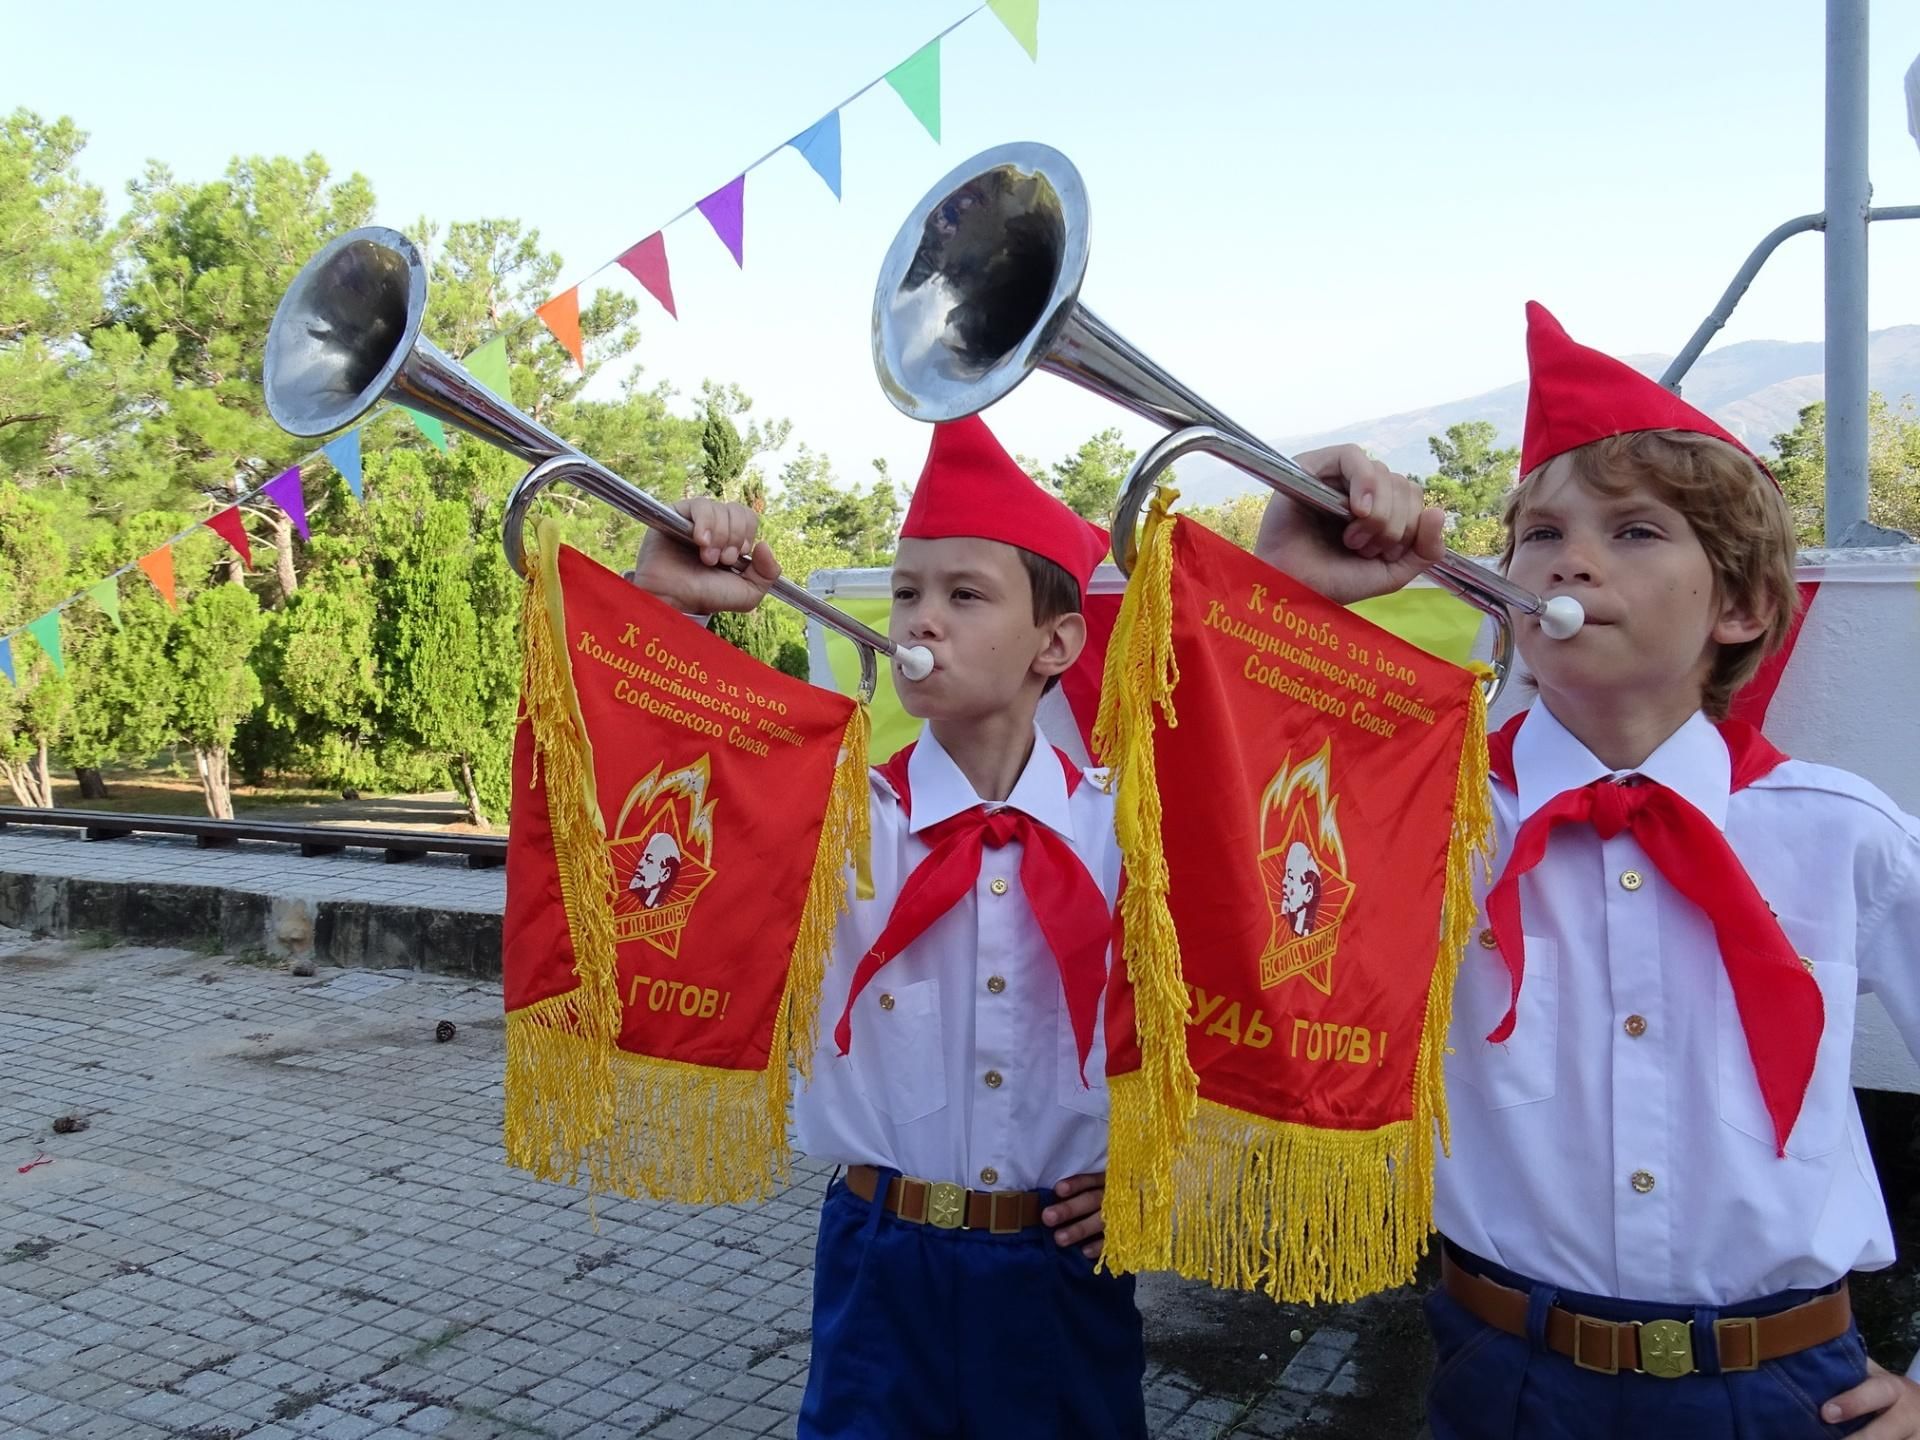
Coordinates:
(1076,1218)
(1894,1399)
(1393,536)
(700,577)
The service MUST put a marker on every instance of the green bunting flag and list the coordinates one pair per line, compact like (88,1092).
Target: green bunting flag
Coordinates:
(106,594)
(46,630)
(429,427)
(488,365)
(1022,18)
(917,81)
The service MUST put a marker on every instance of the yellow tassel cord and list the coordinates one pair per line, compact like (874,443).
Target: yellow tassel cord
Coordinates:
(1152,1109)
(1243,1202)
(637,1124)
(559,1051)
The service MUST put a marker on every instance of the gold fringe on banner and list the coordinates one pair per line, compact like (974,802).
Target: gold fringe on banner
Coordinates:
(640,1124)
(1151,1111)
(559,1083)
(1242,1201)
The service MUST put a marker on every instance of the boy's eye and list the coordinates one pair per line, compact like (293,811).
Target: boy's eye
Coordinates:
(1537,532)
(1639,532)
(966,594)
(902,592)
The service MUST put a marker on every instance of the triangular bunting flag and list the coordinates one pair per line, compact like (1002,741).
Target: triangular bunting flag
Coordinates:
(1022,17)
(46,630)
(6,660)
(344,453)
(227,525)
(106,594)
(284,490)
(821,146)
(488,365)
(561,315)
(917,81)
(429,427)
(157,566)
(725,210)
(647,263)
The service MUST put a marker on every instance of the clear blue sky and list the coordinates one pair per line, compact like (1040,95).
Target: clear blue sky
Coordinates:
(1311,213)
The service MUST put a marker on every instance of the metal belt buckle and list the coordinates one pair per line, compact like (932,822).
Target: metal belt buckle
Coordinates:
(946,1206)
(1666,1348)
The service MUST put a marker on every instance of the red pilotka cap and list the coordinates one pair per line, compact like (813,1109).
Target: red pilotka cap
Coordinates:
(971,487)
(1576,396)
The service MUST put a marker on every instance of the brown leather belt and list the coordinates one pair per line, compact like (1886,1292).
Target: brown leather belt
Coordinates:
(1664,1348)
(948,1207)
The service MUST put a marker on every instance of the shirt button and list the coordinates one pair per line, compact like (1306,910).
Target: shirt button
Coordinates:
(989,1175)
(886,1002)
(1630,880)
(996,983)
(1635,1025)
(1641,1180)
(999,887)
(1487,942)
(993,1078)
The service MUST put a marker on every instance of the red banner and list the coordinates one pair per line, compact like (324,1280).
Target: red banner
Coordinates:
(682,823)
(1299,796)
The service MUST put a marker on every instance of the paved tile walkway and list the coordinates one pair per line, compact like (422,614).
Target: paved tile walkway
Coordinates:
(288,1216)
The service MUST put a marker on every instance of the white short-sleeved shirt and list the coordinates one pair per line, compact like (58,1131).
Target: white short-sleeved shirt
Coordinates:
(1617,1142)
(962,1066)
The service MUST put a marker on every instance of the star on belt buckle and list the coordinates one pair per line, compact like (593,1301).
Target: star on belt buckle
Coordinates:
(946,1205)
(1666,1348)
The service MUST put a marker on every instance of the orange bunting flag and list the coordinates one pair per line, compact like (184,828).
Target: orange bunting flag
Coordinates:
(561,315)
(647,263)
(1300,798)
(229,527)
(157,566)
(683,821)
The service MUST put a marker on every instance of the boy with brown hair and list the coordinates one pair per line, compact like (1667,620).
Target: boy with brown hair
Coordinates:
(1658,1179)
(962,1079)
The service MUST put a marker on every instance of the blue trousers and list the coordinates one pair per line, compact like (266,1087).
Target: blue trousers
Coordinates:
(1489,1385)
(928,1334)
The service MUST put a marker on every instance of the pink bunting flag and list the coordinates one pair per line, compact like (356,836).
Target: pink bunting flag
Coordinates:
(647,263)
(284,490)
(227,525)
(725,210)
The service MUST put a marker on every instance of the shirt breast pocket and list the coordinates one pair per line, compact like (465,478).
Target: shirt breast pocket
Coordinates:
(904,1073)
(1822,1124)
(1521,1069)
(1088,1099)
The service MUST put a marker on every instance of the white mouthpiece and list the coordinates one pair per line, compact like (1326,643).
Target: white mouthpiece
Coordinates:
(916,661)
(1562,618)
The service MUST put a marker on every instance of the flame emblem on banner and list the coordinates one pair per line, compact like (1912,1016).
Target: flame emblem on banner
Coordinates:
(663,863)
(1304,872)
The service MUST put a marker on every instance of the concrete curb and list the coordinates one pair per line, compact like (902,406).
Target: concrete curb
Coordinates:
(348,933)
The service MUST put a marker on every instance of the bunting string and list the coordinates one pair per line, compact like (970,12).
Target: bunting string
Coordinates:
(916,80)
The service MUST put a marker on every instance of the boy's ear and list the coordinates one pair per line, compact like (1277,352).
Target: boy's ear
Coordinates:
(1066,637)
(1741,621)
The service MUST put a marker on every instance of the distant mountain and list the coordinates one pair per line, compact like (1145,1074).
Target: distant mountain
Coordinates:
(1755,388)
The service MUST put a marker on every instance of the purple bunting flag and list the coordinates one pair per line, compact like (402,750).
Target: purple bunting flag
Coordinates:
(725,211)
(284,490)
